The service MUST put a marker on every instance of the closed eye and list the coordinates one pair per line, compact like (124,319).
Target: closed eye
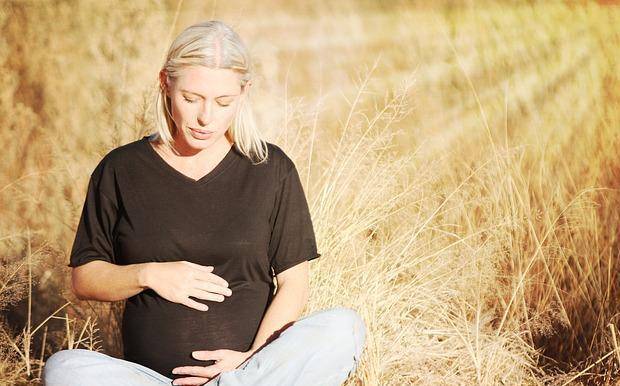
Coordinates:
(225,102)
(194,101)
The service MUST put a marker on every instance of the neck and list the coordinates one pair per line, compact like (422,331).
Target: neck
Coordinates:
(185,153)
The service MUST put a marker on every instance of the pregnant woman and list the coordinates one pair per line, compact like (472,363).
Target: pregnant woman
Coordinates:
(191,225)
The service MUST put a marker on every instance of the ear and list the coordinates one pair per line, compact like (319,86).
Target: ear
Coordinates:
(164,81)
(244,94)
(246,89)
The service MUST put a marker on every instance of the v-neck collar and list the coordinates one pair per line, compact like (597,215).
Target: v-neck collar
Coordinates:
(226,162)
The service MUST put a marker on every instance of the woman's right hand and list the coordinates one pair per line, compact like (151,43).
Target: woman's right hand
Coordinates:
(176,281)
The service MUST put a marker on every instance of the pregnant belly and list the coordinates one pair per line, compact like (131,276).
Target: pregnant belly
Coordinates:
(161,335)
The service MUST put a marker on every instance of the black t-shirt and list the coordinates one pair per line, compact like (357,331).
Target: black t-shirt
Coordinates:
(248,221)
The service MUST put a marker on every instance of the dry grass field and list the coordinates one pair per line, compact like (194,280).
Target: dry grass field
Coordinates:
(461,164)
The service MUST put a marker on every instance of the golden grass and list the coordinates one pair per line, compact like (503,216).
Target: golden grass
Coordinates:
(460,162)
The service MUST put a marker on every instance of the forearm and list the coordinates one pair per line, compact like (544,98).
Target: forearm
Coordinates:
(286,306)
(103,281)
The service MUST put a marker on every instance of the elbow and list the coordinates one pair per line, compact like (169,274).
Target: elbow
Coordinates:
(75,288)
(303,300)
(305,296)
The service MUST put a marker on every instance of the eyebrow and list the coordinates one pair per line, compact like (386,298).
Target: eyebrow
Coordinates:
(195,93)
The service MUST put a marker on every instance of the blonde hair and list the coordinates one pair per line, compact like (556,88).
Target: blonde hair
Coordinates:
(212,44)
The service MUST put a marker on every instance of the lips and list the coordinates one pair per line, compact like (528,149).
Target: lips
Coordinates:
(201,131)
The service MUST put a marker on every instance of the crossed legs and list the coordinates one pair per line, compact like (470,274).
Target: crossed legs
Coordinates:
(322,348)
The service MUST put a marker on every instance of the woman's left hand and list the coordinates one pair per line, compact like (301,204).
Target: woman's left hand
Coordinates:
(225,360)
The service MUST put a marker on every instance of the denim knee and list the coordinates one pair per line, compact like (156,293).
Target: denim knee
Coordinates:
(350,320)
(347,318)
(60,358)
(60,364)
(56,366)
(343,324)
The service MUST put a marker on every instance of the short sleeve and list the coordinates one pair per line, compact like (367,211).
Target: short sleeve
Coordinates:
(292,234)
(94,235)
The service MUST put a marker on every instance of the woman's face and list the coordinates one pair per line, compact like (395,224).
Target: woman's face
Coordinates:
(204,102)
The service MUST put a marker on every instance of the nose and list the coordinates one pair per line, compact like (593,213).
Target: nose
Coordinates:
(205,115)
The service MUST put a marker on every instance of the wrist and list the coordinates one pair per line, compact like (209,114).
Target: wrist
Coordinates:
(144,270)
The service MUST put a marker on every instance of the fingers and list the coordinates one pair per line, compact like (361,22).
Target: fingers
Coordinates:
(208,276)
(194,304)
(207,355)
(190,381)
(206,295)
(198,371)
(211,287)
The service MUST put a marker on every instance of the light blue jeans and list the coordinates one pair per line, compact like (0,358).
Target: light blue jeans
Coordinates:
(320,349)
